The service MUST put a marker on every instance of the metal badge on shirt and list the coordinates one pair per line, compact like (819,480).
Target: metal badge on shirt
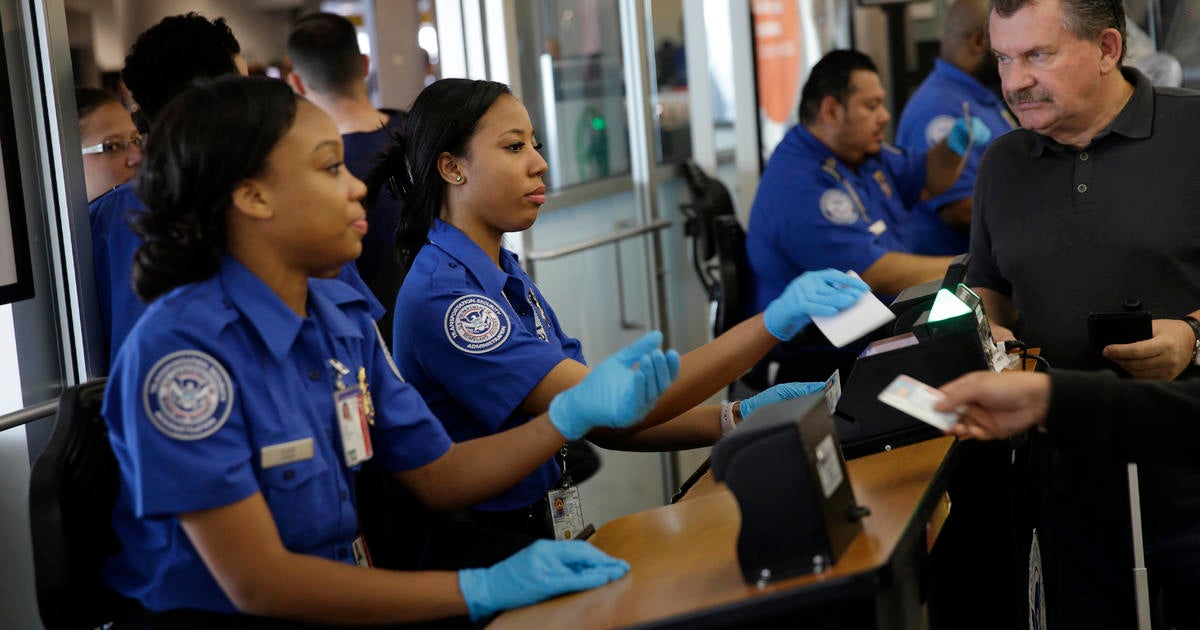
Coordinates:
(884,186)
(354,411)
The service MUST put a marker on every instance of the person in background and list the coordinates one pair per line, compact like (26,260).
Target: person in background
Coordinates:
(484,346)
(161,63)
(255,386)
(329,70)
(834,194)
(112,145)
(964,76)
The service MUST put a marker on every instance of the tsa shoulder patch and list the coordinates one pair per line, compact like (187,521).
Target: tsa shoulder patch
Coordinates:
(838,207)
(476,324)
(188,395)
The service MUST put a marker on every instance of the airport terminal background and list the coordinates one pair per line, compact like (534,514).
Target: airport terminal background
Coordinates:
(621,92)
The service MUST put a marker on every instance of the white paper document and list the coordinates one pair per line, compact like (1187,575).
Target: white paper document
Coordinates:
(865,315)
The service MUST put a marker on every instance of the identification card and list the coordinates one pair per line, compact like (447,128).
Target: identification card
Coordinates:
(566,512)
(917,399)
(362,556)
(833,391)
(352,422)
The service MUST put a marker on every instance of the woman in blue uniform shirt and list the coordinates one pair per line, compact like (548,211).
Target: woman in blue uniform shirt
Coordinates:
(246,399)
(482,344)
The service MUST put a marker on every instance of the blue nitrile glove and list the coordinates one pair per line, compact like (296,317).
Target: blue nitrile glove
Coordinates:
(540,571)
(822,293)
(615,394)
(778,393)
(959,137)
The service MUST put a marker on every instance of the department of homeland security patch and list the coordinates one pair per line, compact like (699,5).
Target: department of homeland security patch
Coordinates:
(188,395)
(838,207)
(476,324)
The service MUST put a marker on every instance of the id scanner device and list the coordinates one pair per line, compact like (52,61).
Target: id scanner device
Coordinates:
(785,468)
(945,335)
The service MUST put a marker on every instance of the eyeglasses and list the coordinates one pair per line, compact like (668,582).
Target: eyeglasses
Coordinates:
(114,146)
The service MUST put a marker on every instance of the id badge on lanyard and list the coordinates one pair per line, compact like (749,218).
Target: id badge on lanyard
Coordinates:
(354,412)
(566,508)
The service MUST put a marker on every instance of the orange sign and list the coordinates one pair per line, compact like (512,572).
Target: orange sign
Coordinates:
(777,55)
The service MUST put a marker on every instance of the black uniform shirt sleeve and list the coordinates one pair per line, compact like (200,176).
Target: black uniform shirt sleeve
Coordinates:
(1138,421)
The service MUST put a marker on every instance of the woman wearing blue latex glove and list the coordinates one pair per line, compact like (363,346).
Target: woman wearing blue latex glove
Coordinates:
(476,336)
(243,404)
(778,393)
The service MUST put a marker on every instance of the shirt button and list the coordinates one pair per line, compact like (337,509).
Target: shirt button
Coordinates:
(341,553)
(344,495)
(227,304)
(289,475)
(314,375)
(454,265)
(1083,156)
(1081,188)
(328,432)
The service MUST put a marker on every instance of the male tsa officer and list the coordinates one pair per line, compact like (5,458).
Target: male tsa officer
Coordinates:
(835,195)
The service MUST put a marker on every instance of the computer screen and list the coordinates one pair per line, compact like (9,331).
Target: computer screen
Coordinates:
(16,277)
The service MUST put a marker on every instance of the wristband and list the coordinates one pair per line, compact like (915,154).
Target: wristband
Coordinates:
(727,422)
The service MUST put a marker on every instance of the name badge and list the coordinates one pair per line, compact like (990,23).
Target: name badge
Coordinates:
(878,227)
(352,422)
(566,512)
(286,453)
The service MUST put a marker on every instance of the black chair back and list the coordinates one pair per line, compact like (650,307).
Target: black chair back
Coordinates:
(72,489)
(718,244)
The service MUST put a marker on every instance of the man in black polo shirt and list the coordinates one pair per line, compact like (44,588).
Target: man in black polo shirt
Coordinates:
(1091,204)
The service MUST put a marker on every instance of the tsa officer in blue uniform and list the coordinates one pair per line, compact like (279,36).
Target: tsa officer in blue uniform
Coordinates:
(246,399)
(834,194)
(961,77)
(161,63)
(482,343)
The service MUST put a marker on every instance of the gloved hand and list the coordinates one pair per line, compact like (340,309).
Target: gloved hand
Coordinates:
(540,571)
(615,394)
(960,137)
(778,393)
(822,293)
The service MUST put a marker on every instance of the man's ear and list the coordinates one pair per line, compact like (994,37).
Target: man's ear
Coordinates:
(831,110)
(1111,48)
(296,82)
(252,200)
(366,62)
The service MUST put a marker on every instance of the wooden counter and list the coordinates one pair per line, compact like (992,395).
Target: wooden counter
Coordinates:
(684,563)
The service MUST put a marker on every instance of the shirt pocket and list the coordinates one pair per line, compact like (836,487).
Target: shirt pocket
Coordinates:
(303,500)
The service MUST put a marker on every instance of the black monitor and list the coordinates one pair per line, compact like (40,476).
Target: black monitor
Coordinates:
(16,275)
(948,339)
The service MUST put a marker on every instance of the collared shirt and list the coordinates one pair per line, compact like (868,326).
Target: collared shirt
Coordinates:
(362,151)
(213,374)
(812,211)
(1066,232)
(475,339)
(927,119)
(113,247)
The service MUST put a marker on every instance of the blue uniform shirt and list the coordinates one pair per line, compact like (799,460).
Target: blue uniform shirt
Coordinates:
(213,374)
(813,212)
(113,247)
(362,150)
(475,340)
(926,120)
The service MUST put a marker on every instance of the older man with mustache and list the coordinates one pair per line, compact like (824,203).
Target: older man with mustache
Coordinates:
(1092,204)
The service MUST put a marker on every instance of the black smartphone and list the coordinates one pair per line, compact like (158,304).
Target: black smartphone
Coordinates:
(1121,327)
